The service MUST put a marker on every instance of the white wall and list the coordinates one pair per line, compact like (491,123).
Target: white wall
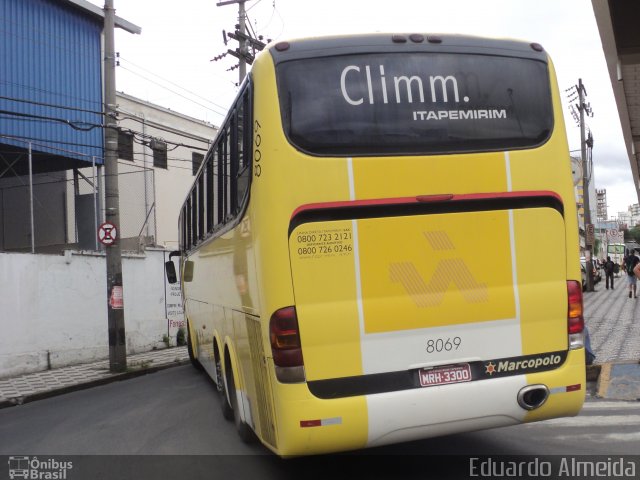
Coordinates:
(53,308)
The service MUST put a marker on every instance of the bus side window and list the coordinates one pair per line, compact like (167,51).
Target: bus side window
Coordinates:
(244,147)
(211,201)
(220,155)
(202,208)
(188,233)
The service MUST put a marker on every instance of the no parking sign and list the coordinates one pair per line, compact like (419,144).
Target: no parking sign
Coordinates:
(107,233)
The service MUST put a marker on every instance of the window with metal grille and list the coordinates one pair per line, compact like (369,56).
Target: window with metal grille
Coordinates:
(196,161)
(125,145)
(159,154)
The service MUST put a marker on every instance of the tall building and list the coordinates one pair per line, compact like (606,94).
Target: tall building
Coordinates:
(601,205)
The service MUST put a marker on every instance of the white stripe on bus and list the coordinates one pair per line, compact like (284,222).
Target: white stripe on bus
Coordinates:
(512,246)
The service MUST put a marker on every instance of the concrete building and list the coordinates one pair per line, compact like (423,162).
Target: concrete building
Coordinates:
(630,218)
(624,220)
(601,205)
(618,26)
(159,153)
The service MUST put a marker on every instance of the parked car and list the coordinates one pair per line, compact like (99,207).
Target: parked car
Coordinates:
(583,272)
(597,275)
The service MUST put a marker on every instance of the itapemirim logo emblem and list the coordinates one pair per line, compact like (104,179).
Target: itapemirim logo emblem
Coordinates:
(430,293)
(32,468)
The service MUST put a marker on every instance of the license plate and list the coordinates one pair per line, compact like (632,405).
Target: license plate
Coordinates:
(445,375)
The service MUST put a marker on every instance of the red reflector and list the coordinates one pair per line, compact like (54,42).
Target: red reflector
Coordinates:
(310,423)
(573,388)
(575,319)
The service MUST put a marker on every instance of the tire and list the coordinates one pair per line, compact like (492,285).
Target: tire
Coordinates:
(194,361)
(225,407)
(244,430)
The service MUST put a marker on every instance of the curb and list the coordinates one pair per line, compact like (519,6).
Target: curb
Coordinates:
(116,377)
(603,381)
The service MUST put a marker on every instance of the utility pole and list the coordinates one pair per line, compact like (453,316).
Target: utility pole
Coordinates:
(244,39)
(242,16)
(582,93)
(241,52)
(115,305)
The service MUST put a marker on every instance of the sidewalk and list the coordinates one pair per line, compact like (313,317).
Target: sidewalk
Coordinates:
(612,317)
(613,320)
(34,386)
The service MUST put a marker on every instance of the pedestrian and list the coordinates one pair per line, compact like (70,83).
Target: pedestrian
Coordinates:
(630,262)
(589,356)
(609,268)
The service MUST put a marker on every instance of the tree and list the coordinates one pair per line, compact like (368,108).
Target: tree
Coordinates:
(633,234)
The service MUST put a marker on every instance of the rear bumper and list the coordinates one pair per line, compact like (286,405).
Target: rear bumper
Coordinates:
(309,425)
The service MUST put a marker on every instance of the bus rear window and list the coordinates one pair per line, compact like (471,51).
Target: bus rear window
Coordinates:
(414,103)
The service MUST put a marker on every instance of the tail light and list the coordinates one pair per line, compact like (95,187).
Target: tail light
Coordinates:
(285,338)
(575,314)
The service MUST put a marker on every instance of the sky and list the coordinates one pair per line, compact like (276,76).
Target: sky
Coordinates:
(170,63)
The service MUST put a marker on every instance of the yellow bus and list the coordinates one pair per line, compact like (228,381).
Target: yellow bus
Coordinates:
(382,244)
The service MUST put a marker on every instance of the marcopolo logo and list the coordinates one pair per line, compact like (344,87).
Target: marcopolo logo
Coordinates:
(33,468)
(518,365)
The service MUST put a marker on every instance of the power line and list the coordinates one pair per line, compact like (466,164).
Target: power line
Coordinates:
(145,136)
(60,142)
(73,124)
(31,102)
(177,85)
(88,127)
(26,140)
(127,116)
(176,93)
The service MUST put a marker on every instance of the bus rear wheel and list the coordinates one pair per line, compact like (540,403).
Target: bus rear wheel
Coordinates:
(225,407)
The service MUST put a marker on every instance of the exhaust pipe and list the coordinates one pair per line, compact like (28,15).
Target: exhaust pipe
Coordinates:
(533,396)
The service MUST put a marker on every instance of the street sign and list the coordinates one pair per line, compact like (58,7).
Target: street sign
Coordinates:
(107,233)
(590,234)
(615,236)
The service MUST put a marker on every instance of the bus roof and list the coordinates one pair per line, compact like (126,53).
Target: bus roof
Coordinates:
(386,42)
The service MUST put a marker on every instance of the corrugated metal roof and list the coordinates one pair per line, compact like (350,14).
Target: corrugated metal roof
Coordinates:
(50,78)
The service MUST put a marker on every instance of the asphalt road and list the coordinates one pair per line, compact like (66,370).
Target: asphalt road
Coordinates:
(176,412)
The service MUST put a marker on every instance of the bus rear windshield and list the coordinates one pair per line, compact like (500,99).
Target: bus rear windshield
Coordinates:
(414,103)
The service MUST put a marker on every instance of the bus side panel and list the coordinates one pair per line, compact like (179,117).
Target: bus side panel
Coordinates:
(323,266)
(540,257)
(308,425)
(273,200)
